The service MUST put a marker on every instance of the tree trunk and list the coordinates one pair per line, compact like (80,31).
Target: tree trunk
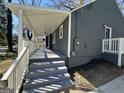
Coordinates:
(9,29)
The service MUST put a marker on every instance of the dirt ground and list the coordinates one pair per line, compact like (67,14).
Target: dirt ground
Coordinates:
(93,75)
(86,77)
(5,62)
(4,65)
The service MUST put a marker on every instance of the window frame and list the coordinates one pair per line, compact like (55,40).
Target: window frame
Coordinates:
(61,30)
(110,32)
(54,38)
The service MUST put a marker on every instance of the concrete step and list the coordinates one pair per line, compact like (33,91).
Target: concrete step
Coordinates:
(42,81)
(52,88)
(46,72)
(39,65)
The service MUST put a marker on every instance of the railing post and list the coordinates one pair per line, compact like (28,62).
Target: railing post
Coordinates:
(20,38)
(33,39)
(27,58)
(103,45)
(110,44)
(119,51)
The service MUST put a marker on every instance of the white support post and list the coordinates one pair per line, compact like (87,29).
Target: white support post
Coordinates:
(110,45)
(37,42)
(119,51)
(103,45)
(20,34)
(69,36)
(33,39)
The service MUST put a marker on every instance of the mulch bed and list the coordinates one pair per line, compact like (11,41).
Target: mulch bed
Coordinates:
(94,74)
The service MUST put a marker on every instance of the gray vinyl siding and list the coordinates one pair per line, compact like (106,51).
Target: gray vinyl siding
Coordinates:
(113,58)
(90,31)
(62,44)
(122,60)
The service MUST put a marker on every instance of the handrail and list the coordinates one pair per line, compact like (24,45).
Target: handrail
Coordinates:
(113,45)
(16,73)
(113,39)
(12,67)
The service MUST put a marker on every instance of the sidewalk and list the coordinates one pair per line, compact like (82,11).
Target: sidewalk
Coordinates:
(114,86)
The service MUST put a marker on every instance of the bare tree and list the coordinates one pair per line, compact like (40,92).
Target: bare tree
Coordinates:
(30,2)
(68,4)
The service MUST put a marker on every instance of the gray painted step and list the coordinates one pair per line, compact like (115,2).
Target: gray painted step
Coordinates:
(52,88)
(31,60)
(38,65)
(46,72)
(42,81)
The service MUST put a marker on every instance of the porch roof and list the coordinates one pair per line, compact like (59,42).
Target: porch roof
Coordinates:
(41,20)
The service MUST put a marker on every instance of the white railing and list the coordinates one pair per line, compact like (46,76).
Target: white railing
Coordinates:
(15,74)
(114,45)
(33,46)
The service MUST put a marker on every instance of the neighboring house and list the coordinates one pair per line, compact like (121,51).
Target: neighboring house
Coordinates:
(80,36)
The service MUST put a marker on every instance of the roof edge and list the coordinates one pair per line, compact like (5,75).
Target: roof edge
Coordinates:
(83,5)
(35,7)
(119,7)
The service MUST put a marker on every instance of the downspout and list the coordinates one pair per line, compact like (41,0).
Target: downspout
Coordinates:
(69,35)
(75,39)
(69,39)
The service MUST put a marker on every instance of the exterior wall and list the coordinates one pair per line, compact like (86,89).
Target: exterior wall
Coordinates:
(62,44)
(113,58)
(122,60)
(87,29)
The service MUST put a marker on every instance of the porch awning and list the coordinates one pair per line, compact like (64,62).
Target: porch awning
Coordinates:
(42,20)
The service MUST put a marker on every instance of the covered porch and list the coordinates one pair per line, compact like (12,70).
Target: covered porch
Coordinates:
(40,22)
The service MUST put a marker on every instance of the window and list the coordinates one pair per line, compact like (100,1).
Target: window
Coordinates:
(61,32)
(54,38)
(108,32)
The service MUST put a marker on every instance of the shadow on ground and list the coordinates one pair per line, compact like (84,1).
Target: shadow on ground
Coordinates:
(94,74)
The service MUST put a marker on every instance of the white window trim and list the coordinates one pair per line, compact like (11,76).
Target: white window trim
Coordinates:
(54,38)
(110,34)
(61,32)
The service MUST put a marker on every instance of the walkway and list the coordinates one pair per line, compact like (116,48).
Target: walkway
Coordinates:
(47,73)
(114,86)
(46,54)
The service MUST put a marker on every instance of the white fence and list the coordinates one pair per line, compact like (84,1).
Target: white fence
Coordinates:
(114,45)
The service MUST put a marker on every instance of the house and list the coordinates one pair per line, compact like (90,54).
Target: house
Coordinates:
(94,30)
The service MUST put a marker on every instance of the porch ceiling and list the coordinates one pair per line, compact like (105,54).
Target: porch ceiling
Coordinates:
(40,19)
